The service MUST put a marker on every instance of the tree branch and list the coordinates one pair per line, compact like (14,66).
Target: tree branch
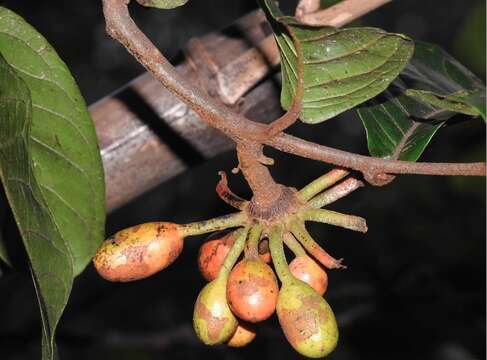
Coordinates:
(371,167)
(339,14)
(121,26)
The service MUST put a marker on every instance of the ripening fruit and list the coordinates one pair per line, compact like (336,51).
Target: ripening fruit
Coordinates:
(243,336)
(252,290)
(139,251)
(306,269)
(212,254)
(213,320)
(307,320)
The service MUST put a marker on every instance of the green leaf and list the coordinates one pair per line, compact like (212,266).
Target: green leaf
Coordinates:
(434,77)
(342,67)
(50,167)
(391,133)
(457,102)
(49,257)
(63,147)
(476,99)
(443,88)
(162,4)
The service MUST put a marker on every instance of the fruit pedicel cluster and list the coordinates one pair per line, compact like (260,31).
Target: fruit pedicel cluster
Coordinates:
(244,290)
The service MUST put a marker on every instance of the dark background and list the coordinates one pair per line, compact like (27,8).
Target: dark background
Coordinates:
(415,287)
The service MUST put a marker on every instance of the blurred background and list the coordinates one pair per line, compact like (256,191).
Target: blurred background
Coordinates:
(415,284)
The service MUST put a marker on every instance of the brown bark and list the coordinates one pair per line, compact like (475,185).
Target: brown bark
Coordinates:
(133,162)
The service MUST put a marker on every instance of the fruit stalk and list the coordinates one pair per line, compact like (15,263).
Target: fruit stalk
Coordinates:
(215,224)
(322,183)
(335,193)
(252,249)
(278,256)
(303,236)
(234,253)
(350,222)
(293,244)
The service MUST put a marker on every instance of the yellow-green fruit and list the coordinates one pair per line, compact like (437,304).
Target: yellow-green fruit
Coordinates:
(139,251)
(243,336)
(213,320)
(307,320)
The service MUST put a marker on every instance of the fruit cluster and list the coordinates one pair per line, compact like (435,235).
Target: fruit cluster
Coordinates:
(244,290)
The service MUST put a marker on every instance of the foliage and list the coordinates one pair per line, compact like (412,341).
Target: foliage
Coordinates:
(51,166)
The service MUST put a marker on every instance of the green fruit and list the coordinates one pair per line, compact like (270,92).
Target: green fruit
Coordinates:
(213,320)
(307,320)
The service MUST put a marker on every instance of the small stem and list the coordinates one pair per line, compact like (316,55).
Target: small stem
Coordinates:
(341,13)
(252,248)
(122,28)
(278,256)
(234,253)
(294,111)
(293,244)
(337,192)
(303,236)
(215,224)
(350,222)
(322,183)
(306,7)
(371,167)
(227,195)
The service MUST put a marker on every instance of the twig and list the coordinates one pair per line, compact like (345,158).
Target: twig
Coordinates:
(292,115)
(322,183)
(341,13)
(307,7)
(227,195)
(122,28)
(335,193)
(371,167)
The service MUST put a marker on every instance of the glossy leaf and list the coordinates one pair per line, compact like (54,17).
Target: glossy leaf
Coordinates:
(391,133)
(434,77)
(63,146)
(456,102)
(342,67)
(50,261)
(443,88)
(162,4)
